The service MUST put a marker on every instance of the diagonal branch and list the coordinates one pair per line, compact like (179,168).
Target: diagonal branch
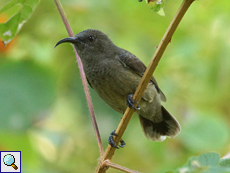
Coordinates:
(107,163)
(83,78)
(144,81)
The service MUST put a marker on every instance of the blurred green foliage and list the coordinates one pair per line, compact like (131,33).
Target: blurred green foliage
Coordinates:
(43,111)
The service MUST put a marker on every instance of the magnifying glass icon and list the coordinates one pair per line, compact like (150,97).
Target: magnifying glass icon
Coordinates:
(9,160)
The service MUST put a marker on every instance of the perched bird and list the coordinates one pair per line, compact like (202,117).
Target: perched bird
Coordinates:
(114,73)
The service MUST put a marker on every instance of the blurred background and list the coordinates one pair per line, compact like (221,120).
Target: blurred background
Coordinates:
(43,110)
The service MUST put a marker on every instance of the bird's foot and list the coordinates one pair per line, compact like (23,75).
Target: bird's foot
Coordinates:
(112,143)
(130,102)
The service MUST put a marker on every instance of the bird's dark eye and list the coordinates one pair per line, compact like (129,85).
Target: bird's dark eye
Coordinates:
(91,38)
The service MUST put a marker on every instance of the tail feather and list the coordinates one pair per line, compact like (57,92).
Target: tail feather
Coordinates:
(158,131)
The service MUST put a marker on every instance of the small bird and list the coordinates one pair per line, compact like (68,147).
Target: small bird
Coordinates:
(114,73)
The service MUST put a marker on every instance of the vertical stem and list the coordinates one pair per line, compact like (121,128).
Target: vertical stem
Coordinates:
(144,81)
(83,78)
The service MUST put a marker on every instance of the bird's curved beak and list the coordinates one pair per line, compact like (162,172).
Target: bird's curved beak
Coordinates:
(67,40)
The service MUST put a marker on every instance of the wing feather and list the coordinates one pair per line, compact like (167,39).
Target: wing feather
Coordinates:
(131,61)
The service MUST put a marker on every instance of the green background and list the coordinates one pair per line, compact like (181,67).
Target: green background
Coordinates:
(43,111)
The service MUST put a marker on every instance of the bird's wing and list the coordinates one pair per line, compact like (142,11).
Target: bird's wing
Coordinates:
(129,60)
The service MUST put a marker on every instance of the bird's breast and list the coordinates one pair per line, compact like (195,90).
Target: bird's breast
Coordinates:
(112,83)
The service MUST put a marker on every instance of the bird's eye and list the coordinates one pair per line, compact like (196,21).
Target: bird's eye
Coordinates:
(91,38)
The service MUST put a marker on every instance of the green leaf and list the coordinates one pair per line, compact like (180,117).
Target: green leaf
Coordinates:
(157,5)
(225,162)
(208,159)
(21,10)
(205,163)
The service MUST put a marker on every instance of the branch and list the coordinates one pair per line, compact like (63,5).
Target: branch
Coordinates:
(144,82)
(107,163)
(83,78)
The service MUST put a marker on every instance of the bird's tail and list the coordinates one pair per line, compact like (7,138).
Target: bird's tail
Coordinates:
(169,126)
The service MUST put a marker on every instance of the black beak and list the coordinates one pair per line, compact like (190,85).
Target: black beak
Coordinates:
(67,40)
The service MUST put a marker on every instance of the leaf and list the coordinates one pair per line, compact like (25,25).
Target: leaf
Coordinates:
(225,162)
(205,163)
(157,5)
(209,159)
(23,9)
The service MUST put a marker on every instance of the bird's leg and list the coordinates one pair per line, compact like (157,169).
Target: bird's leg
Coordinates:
(112,143)
(130,102)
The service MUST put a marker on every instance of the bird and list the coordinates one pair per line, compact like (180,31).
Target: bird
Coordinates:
(114,73)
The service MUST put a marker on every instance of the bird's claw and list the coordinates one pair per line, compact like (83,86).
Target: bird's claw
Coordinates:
(130,102)
(112,143)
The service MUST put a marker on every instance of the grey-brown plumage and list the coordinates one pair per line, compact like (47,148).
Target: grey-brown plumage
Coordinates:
(114,73)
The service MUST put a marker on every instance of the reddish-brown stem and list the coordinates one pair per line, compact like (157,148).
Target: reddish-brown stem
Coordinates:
(83,78)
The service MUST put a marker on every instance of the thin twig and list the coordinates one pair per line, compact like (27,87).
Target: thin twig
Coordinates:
(118,167)
(83,78)
(144,81)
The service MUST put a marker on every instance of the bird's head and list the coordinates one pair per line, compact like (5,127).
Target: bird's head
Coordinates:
(89,41)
